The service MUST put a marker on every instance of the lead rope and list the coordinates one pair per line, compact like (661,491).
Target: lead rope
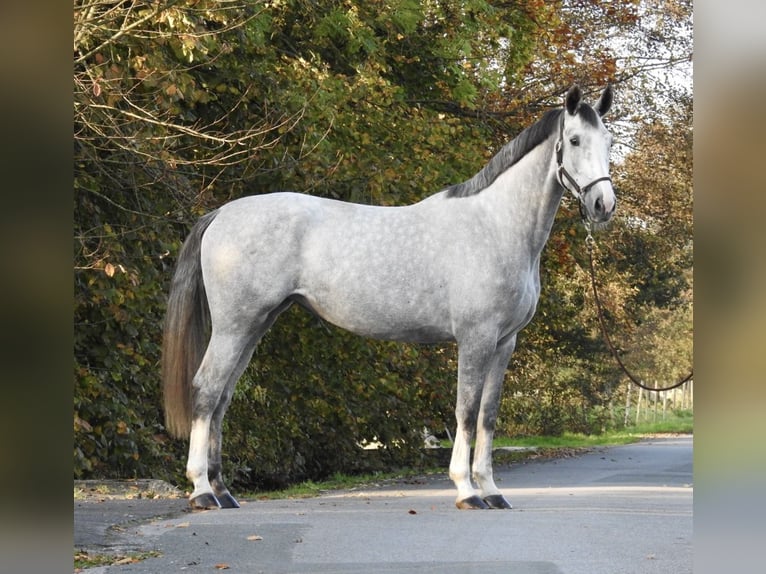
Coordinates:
(589,242)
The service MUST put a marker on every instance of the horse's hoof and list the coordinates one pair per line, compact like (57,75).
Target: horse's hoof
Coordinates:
(471,503)
(226,500)
(497,501)
(204,501)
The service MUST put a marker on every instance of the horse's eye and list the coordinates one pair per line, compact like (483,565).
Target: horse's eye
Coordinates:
(574,140)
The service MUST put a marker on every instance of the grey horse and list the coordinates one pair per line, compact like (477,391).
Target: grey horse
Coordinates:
(461,265)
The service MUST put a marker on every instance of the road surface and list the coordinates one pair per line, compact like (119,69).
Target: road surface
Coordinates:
(620,510)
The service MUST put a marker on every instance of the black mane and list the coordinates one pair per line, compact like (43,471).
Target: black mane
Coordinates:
(510,153)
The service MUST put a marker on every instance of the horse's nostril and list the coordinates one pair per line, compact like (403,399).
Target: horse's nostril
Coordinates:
(599,205)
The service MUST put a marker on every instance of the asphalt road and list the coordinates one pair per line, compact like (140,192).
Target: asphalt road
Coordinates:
(621,510)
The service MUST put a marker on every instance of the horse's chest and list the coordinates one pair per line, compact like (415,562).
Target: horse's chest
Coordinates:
(519,299)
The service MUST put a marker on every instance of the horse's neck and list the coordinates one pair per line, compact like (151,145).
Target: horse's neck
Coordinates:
(525,198)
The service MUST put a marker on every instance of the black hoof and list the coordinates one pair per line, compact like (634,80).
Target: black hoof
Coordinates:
(204,502)
(226,500)
(471,503)
(497,501)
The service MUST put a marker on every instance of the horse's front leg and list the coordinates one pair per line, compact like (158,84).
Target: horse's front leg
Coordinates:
(472,369)
(490,404)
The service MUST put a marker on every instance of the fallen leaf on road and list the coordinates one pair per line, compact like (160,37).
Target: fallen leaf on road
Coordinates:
(255,537)
(222,566)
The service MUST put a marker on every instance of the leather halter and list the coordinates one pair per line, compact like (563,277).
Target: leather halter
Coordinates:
(562,174)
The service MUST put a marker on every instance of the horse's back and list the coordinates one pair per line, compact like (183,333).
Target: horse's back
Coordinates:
(372,270)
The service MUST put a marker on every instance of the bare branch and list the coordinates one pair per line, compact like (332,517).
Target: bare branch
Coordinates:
(124,29)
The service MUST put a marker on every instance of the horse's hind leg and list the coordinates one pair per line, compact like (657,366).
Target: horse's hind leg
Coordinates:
(490,404)
(214,464)
(225,360)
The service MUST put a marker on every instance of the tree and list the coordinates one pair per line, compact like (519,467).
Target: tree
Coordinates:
(645,256)
(656,243)
(180,106)
(152,137)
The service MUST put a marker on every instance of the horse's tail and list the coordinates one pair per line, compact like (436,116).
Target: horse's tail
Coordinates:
(185,331)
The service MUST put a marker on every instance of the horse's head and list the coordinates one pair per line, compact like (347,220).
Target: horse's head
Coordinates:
(582,155)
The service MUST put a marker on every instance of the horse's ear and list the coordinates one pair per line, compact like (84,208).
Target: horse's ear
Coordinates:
(605,101)
(572,101)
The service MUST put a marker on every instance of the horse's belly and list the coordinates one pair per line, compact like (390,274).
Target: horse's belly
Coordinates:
(379,317)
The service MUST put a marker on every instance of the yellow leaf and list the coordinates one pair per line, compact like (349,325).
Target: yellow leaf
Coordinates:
(109,269)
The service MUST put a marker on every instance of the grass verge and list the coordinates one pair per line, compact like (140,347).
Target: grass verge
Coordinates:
(84,560)
(568,444)
(339,481)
